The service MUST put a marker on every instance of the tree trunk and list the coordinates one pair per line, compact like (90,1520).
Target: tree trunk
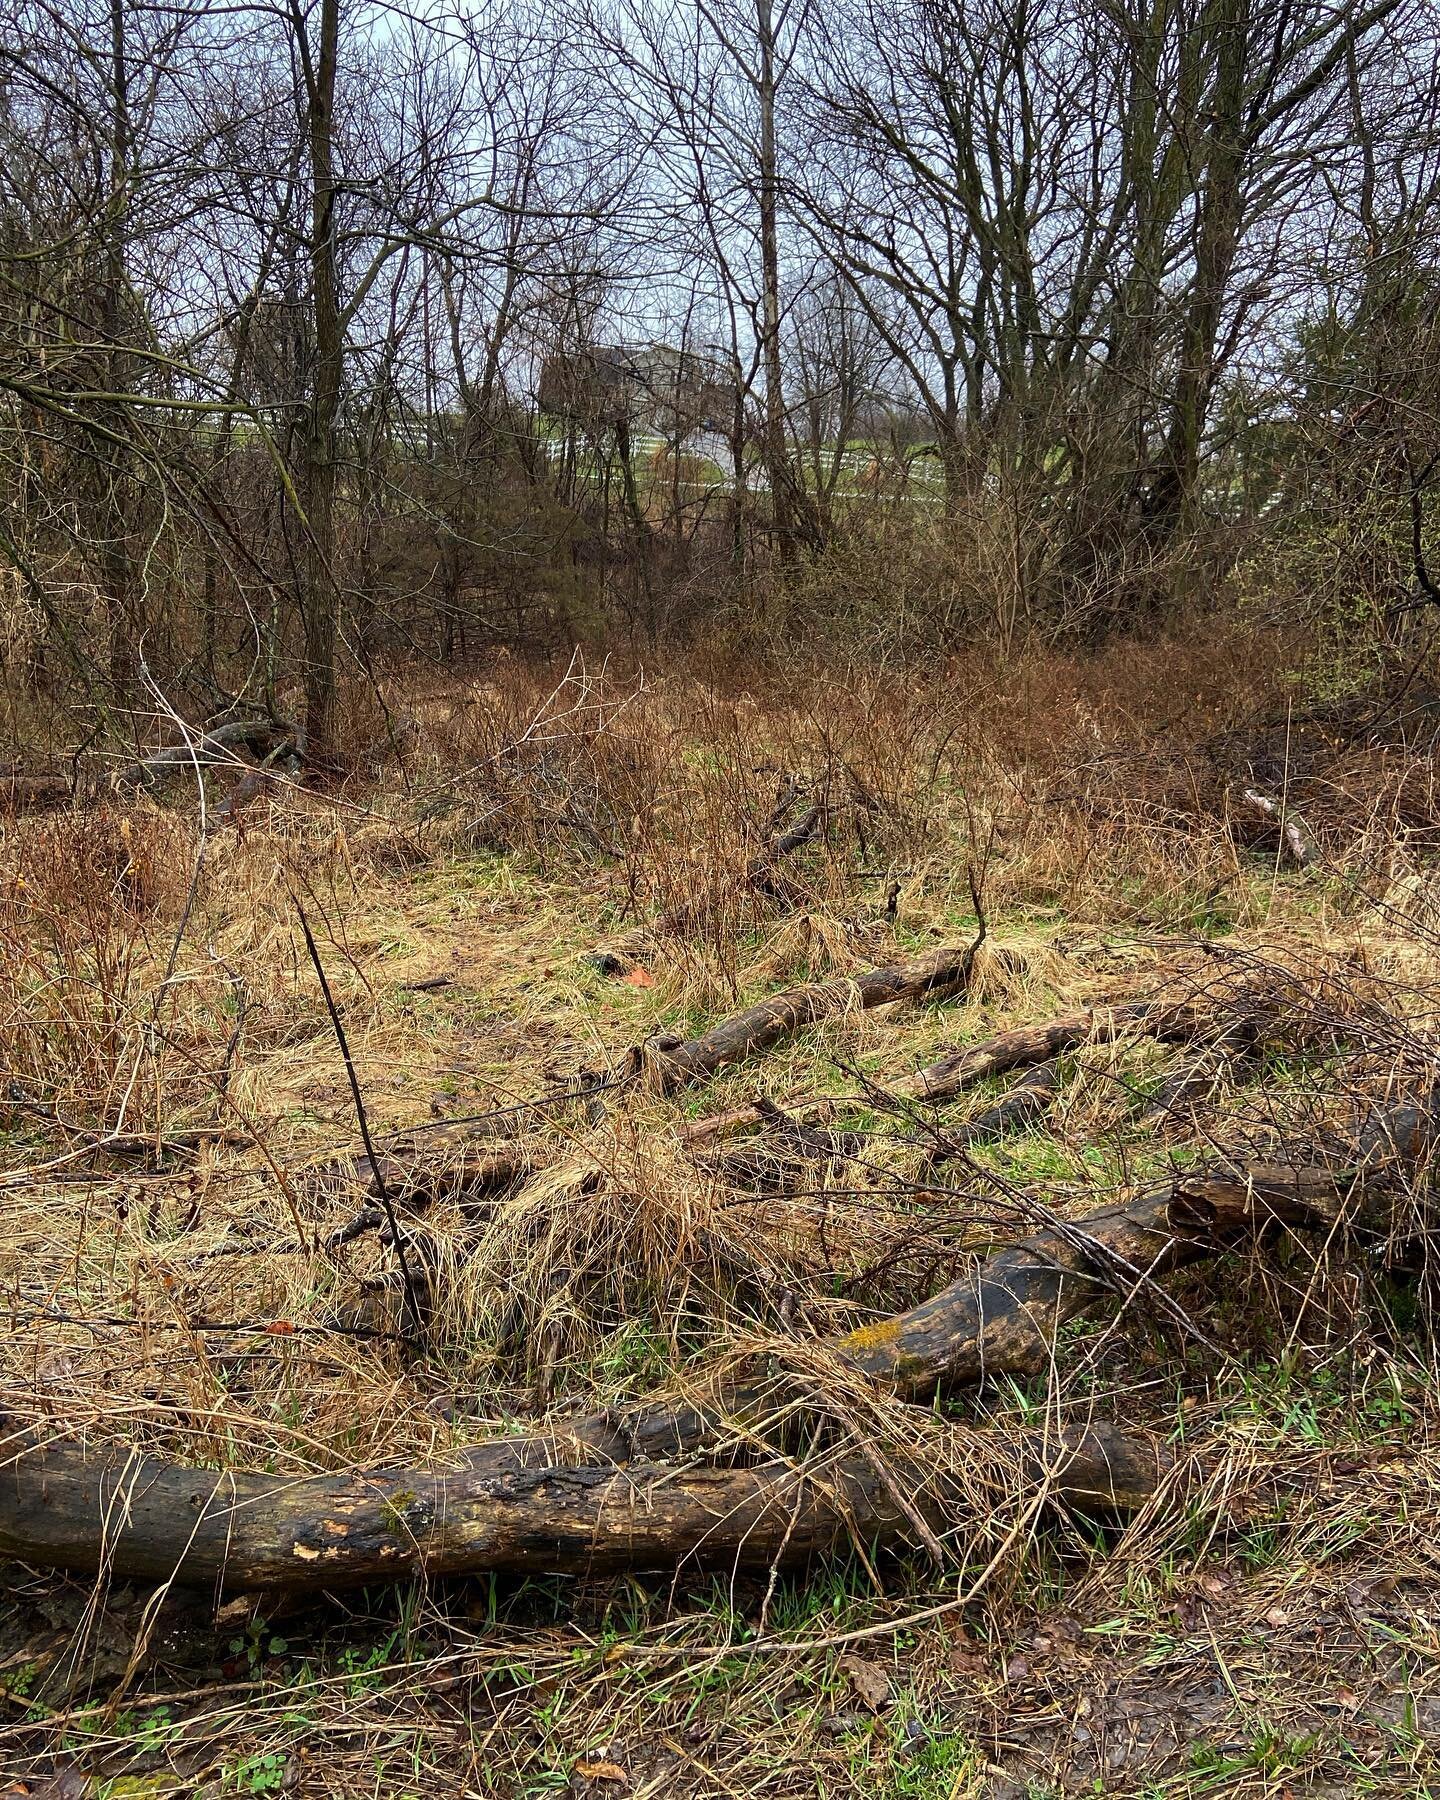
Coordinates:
(777,462)
(1217,237)
(321,597)
(117,575)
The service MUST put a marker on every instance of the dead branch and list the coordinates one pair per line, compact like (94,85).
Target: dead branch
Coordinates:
(260,739)
(1019,1048)
(761,1026)
(1295,836)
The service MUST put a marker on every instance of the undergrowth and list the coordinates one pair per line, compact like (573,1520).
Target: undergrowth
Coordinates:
(181,1153)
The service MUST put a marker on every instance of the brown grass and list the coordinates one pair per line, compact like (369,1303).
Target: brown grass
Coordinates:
(174,1289)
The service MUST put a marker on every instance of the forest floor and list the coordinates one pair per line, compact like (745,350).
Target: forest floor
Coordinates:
(180,1148)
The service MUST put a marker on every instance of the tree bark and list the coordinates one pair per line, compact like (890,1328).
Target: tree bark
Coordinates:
(557,1502)
(1003,1318)
(321,618)
(507,1506)
(777,460)
(966,1068)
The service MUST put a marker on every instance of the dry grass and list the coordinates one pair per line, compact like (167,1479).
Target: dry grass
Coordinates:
(180,1152)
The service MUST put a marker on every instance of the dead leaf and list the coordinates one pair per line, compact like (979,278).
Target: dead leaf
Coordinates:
(64,1784)
(601,1771)
(1366,1593)
(870,1680)
(639,977)
(1348,1698)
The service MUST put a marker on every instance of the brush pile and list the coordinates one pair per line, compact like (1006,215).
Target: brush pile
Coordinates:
(793,1435)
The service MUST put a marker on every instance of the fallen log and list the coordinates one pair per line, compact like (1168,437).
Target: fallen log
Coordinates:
(261,739)
(762,1026)
(1022,1108)
(504,1506)
(1030,1044)
(1002,1318)
(1295,836)
(560,1503)
(963,1069)
(23,793)
(763,871)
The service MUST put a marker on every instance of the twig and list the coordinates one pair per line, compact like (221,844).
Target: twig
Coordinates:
(412,1300)
(275,1328)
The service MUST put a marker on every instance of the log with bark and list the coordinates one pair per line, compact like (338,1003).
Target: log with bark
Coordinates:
(1019,1048)
(1003,1318)
(504,1506)
(1023,1108)
(260,740)
(23,792)
(1029,1044)
(769,1022)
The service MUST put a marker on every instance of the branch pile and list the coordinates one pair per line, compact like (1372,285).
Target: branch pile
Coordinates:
(754,1462)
